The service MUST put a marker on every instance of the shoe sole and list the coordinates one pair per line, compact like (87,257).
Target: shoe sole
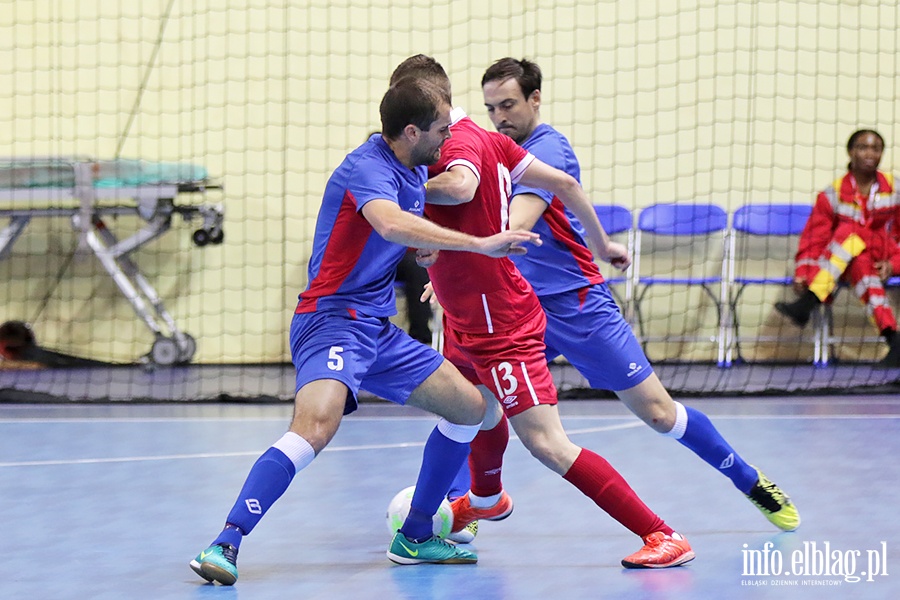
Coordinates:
(211,572)
(198,569)
(786,527)
(403,560)
(686,557)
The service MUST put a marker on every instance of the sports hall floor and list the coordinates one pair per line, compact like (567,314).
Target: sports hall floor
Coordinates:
(112,500)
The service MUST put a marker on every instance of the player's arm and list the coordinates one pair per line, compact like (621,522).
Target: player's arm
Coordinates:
(525,210)
(400,227)
(565,187)
(456,185)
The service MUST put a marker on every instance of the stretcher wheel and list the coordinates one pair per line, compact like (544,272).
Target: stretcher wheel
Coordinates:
(188,349)
(216,235)
(201,237)
(164,351)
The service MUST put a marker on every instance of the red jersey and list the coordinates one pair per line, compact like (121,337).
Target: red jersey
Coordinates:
(480,294)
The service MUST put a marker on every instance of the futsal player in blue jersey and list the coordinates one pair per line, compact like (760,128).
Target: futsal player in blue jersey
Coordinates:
(583,321)
(342,340)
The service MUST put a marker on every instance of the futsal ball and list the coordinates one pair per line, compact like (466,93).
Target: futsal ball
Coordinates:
(399,508)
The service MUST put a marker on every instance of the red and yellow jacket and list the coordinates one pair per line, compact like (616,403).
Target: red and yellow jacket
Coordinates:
(875,218)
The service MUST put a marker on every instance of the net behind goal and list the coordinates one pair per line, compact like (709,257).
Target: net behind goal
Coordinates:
(724,103)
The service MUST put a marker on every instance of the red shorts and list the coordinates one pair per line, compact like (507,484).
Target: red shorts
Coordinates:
(512,364)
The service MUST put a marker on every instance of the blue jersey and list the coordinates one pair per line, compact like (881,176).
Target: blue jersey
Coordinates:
(563,262)
(352,267)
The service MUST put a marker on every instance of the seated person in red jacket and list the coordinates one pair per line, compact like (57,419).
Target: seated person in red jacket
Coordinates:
(852,235)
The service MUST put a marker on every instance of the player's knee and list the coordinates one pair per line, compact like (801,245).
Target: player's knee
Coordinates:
(661,418)
(651,403)
(553,453)
(462,405)
(475,407)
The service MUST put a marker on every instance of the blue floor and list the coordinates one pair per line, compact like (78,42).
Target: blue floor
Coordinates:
(112,501)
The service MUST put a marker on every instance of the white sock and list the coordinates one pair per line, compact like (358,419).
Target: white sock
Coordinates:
(681,422)
(297,449)
(484,502)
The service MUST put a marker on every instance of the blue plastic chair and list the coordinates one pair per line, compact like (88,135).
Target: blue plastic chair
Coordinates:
(617,219)
(686,220)
(764,219)
(614,218)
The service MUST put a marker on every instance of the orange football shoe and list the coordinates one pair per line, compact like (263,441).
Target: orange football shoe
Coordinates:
(660,551)
(464,513)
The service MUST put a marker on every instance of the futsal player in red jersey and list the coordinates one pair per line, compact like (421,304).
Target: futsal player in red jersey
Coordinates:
(494,328)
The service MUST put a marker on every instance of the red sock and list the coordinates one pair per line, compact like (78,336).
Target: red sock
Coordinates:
(599,481)
(486,459)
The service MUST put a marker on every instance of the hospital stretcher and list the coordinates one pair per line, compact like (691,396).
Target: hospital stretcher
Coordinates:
(86,191)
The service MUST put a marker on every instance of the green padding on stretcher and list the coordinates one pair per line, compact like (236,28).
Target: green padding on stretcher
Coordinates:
(44,173)
(121,173)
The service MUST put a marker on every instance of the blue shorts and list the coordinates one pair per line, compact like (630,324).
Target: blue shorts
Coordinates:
(362,352)
(586,327)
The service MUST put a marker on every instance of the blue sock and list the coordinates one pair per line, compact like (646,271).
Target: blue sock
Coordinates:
(268,479)
(461,483)
(702,437)
(440,464)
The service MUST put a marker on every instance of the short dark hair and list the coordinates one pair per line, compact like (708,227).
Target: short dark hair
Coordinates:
(857,134)
(410,101)
(421,66)
(526,73)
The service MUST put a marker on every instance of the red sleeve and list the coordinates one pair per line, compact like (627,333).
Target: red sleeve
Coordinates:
(461,148)
(815,237)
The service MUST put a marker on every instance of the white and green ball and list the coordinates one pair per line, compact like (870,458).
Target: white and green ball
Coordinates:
(399,508)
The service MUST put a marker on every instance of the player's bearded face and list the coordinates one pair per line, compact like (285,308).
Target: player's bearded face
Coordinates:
(429,151)
(428,148)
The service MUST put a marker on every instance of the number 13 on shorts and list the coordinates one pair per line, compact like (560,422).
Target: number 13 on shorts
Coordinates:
(512,384)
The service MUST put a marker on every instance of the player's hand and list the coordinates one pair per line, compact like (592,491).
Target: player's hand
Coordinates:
(885,270)
(428,295)
(508,243)
(616,255)
(800,286)
(426,258)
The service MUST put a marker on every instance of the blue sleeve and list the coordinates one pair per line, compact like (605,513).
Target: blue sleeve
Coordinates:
(548,149)
(524,189)
(372,179)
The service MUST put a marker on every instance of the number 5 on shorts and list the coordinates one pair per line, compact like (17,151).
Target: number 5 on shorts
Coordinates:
(335,360)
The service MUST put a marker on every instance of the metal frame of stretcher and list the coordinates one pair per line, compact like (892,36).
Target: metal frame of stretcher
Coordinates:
(154,203)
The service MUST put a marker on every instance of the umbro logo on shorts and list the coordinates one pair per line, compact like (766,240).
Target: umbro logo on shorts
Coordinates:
(510,401)
(634,369)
